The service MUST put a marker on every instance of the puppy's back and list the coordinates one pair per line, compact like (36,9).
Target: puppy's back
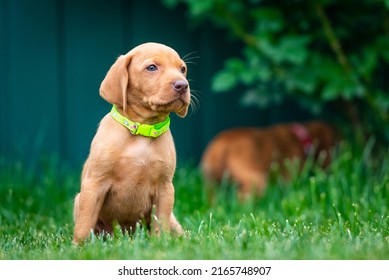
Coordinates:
(229,147)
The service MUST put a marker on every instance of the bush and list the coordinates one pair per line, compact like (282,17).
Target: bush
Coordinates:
(328,55)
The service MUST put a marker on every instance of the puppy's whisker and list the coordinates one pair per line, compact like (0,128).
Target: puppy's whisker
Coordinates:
(189,59)
(195,93)
(190,62)
(193,108)
(190,53)
(187,56)
(195,104)
(195,100)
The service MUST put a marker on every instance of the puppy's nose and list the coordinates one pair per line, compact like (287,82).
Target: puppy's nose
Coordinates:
(181,86)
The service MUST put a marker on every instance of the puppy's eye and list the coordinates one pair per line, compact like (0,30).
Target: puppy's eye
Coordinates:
(183,69)
(152,68)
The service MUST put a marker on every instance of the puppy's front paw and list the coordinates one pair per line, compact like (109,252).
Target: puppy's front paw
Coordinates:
(177,230)
(76,241)
(175,226)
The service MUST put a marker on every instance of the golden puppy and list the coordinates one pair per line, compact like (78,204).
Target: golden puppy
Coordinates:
(132,157)
(245,155)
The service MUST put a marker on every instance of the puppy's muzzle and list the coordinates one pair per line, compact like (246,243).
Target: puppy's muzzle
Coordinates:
(180,86)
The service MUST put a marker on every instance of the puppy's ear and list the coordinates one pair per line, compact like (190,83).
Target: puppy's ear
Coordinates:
(183,112)
(114,86)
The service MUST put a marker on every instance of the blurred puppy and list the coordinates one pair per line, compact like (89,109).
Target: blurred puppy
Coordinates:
(245,155)
(132,157)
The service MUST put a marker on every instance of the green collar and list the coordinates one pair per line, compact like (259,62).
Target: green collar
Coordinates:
(148,130)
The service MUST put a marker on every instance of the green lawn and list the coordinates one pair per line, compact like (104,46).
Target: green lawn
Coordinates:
(341,213)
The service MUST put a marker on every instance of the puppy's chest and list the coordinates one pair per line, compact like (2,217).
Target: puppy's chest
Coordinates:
(148,161)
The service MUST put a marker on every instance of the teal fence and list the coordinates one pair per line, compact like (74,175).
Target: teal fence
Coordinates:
(54,54)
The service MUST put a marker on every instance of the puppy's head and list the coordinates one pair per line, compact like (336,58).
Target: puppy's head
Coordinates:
(150,80)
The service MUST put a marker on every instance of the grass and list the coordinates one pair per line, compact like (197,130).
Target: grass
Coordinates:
(340,213)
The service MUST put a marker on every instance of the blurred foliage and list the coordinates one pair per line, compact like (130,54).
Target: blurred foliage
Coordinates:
(327,54)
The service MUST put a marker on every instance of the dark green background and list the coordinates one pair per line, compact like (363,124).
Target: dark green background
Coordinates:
(54,55)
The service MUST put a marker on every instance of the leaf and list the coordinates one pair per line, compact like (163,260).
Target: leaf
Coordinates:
(342,87)
(289,49)
(330,92)
(326,68)
(268,20)
(245,73)
(366,62)
(382,46)
(223,81)
(301,79)
(382,100)
(250,75)
(201,7)
(235,65)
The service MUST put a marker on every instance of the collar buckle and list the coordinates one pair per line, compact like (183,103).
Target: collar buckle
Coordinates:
(133,128)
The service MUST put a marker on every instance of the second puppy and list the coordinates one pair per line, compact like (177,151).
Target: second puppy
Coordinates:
(245,155)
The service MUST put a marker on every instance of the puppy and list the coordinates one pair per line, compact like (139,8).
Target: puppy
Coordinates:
(245,155)
(132,156)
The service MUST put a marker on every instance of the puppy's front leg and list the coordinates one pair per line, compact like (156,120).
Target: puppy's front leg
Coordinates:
(87,207)
(164,209)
